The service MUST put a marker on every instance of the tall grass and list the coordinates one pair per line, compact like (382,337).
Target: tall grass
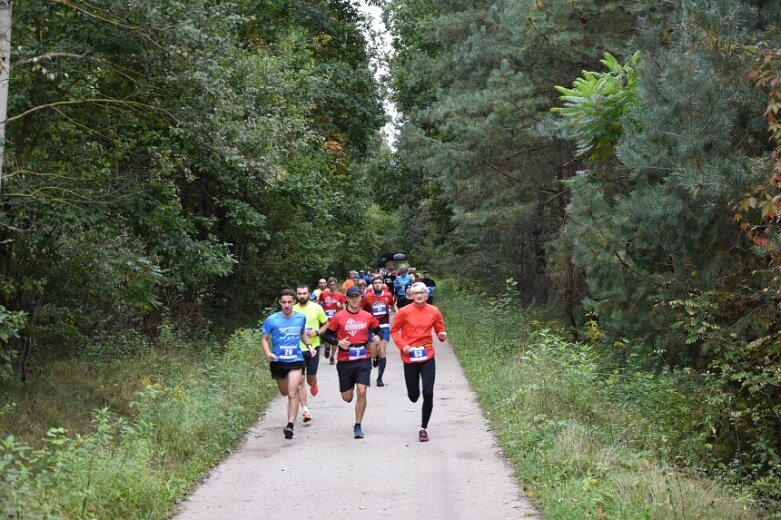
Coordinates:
(138,467)
(586,443)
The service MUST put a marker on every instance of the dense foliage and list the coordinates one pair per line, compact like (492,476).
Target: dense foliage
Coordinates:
(165,159)
(615,156)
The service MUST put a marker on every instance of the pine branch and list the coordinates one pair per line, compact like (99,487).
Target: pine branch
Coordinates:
(489,164)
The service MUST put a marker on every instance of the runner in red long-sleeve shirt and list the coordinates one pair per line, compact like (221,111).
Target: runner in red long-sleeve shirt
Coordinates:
(411,332)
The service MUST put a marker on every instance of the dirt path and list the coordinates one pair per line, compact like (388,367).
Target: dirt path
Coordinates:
(323,473)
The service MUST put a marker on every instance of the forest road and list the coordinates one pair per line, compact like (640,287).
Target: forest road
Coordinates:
(324,473)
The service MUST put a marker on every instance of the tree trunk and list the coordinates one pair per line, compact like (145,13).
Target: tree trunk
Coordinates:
(5,74)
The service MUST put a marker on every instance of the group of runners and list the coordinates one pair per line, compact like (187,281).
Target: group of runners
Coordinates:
(353,328)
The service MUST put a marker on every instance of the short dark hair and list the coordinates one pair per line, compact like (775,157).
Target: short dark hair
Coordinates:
(302,286)
(287,292)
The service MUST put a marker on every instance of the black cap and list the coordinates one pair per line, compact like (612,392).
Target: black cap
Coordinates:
(354,291)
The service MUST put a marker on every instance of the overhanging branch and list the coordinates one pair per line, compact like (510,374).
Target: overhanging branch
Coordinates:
(98,101)
(47,56)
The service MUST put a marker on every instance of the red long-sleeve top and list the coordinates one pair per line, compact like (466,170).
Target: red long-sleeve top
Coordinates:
(412,326)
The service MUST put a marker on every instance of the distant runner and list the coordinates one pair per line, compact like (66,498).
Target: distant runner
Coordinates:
(322,285)
(332,301)
(411,332)
(400,285)
(350,329)
(287,330)
(379,301)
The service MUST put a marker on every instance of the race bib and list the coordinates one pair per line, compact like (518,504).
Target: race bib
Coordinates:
(357,352)
(287,354)
(418,354)
(330,314)
(379,309)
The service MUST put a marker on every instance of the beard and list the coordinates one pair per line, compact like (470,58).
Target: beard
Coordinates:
(302,300)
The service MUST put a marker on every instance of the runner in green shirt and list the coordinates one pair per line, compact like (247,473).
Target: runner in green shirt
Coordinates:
(315,321)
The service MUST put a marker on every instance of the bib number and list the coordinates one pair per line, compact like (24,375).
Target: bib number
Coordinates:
(287,354)
(418,354)
(379,309)
(356,353)
(330,314)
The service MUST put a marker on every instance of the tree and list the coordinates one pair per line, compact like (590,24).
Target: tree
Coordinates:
(475,81)
(159,155)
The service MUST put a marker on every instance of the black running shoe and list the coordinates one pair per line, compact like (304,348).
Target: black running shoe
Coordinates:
(288,431)
(376,362)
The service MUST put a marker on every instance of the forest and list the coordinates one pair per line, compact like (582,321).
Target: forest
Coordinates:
(169,166)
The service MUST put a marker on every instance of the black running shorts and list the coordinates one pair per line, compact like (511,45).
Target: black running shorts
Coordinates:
(280,370)
(354,372)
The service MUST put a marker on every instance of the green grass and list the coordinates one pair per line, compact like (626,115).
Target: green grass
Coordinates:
(585,444)
(163,419)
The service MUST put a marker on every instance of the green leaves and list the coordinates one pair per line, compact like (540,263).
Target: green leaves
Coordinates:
(596,107)
(155,151)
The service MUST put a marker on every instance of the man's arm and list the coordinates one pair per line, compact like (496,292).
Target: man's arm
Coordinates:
(439,326)
(397,334)
(305,341)
(329,335)
(267,348)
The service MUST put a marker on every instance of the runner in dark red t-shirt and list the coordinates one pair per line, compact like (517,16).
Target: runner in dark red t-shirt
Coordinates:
(331,301)
(351,329)
(379,301)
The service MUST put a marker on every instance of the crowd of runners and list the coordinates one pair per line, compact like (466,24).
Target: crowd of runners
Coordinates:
(352,323)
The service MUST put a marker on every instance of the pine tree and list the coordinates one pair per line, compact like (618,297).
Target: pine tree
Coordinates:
(484,75)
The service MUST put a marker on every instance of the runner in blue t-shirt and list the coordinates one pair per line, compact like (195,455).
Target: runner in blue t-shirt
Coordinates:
(286,330)
(400,285)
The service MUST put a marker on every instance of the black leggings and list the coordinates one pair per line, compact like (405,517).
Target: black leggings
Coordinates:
(413,374)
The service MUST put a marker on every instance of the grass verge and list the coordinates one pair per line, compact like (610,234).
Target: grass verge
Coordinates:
(584,443)
(184,418)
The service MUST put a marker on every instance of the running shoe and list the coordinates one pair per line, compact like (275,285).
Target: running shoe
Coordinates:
(314,389)
(379,382)
(307,416)
(288,431)
(358,432)
(376,362)
(423,435)
(327,352)
(333,361)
